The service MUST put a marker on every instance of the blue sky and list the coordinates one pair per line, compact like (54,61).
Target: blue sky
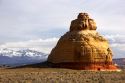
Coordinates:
(26,20)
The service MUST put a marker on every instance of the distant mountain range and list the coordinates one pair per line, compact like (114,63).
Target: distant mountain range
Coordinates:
(17,57)
(21,56)
(120,62)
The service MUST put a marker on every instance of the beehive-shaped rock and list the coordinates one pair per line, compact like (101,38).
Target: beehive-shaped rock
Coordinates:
(82,47)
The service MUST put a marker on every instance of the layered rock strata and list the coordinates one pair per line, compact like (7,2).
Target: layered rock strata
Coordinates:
(82,47)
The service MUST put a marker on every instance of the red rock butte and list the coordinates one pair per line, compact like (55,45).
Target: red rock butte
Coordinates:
(82,47)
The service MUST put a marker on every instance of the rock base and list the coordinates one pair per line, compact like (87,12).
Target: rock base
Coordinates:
(87,66)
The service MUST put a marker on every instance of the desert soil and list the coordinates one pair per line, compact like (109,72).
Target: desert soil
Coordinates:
(55,75)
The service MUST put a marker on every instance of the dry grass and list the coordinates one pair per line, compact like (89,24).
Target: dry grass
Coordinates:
(54,75)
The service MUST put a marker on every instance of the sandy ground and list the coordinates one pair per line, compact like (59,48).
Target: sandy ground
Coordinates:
(54,75)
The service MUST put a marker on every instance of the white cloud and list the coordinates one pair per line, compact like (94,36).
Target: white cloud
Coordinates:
(43,45)
(116,38)
(117,42)
(26,19)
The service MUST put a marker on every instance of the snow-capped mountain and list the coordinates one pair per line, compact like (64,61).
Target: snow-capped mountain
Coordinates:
(21,56)
(20,52)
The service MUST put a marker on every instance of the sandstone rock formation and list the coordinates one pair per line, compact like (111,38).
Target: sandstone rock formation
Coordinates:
(82,47)
(83,22)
